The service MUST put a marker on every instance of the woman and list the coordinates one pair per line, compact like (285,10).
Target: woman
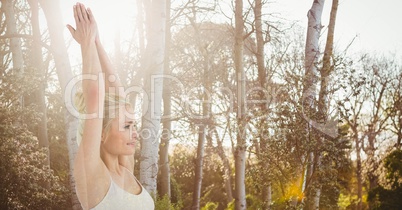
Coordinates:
(104,164)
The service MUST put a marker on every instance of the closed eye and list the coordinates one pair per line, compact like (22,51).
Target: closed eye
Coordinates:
(131,123)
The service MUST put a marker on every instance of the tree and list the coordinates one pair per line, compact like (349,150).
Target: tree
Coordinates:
(262,152)
(58,49)
(37,62)
(202,118)
(167,122)
(240,153)
(15,43)
(204,62)
(350,112)
(320,127)
(27,181)
(365,108)
(323,106)
(310,89)
(153,66)
(385,197)
(395,109)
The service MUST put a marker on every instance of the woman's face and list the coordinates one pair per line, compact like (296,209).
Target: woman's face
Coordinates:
(122,136)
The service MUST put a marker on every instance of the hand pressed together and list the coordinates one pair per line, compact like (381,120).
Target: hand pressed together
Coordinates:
(86,30)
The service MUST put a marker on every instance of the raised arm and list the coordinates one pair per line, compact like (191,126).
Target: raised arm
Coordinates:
(112,78)
(89,169)
(93,88)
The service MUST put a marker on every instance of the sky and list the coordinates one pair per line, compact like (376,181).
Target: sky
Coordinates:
(374,25)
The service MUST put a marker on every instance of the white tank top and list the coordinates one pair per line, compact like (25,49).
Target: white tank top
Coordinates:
(119,199)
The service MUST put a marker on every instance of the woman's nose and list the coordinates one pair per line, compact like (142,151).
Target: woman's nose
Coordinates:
(134,133)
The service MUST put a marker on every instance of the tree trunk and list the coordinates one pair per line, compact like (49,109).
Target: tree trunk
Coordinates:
(198,167)
(153,65)
(141,9)
(164,146)
(15,42)
(167,123)
(358,168)
(52,11)
(309,93)
(262,77)
(240,152)
(323,95)
(226,168)
(37,62)
(206,107)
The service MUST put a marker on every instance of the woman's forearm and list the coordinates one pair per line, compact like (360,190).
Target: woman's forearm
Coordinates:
(112,78)
(93,81)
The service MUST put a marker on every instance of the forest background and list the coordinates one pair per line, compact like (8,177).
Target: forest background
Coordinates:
(240,104)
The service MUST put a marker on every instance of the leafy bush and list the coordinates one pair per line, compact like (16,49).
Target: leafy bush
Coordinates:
(27,182)
(164,203)
(389,199)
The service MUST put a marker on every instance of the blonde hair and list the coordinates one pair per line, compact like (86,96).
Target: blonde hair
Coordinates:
(112,104)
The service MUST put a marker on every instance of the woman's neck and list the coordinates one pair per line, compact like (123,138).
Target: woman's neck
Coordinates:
(111,162)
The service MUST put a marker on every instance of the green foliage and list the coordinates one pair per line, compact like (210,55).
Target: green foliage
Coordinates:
(164,203)
(231,205)
(253,202)
(175,194)
(389,199)
(210,206)
(182,173)
(27,183)
(336,169)
(384,199)
(393,164)
(59,160)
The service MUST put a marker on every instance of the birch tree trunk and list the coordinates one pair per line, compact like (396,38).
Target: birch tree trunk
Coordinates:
(51,9)
(314,192)
(198,167)
(37,62)
(240,152)
(164,145)
(167,123)
(153,65)
(327,68)
(310,92)
(262,77)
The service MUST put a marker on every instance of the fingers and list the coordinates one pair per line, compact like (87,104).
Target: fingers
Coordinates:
(71,29)
(75,14)
(84,12)
(79,12)
(90,15)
